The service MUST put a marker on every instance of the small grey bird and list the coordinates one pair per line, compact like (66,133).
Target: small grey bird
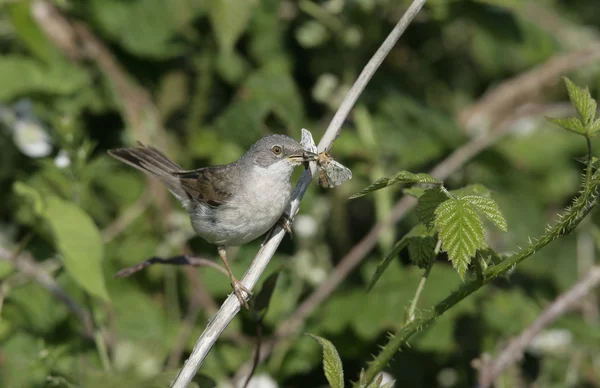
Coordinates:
(233,204)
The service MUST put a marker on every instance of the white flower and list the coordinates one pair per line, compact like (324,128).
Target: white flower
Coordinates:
(31,139)
(305,226)
(62,160)
(387,378)
(259,381)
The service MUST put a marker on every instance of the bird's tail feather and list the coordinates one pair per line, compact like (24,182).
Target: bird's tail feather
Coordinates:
(153,162)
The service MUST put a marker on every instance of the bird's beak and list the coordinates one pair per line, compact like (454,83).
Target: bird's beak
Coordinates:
(304,156)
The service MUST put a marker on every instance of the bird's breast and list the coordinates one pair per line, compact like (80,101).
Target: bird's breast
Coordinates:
(251,212)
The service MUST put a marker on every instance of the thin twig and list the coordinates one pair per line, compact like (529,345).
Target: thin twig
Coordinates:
(25,264)
(441,171)
(421,286)
(231,306)
(175,260)
(199,300)
(507,97)
(514,351)
(128,216)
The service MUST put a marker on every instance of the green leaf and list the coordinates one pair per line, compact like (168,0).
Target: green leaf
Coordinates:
(582,100)
(21,75)
(473,189)
(595,126)
(489,208)
(428,202)
(399,177)
(332,364)
(146,27)
(572,124)
(229,19)
(461,232)
(79,242)
(421,250)
(32,195)
(418,231)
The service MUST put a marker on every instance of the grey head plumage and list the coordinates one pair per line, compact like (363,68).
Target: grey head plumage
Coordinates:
(271,149)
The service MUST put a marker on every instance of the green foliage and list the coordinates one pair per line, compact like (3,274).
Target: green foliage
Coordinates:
(428,202)
(586,108)
(332,364)
(461,232)
(79,242)
(399,177)
(220,75)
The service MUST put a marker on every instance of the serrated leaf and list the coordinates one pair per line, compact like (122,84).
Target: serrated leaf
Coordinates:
(428,202)
(332,364)
(399,177)
(264,296)
(79,242)
(582,100)
(572,124)
(473,189)
(490,210)
(421,250)
(461,232)
(418,231)
(229,19)
(595,126)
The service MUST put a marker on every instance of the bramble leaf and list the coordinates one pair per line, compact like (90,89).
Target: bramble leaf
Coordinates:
(461,232)
(399,177)
(421,250)
(489,208)
(582,100)
(428,202)
(418,231)
(572,124)
(332,364)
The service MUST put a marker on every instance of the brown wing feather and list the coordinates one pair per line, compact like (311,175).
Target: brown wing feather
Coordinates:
(206,184)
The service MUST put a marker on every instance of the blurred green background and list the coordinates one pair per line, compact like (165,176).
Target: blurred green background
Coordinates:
(202,81)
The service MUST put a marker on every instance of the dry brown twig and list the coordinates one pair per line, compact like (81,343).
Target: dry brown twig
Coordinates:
(514,351)
(452,163)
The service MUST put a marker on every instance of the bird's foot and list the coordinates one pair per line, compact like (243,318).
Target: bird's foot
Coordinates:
(239,289)
(286,223)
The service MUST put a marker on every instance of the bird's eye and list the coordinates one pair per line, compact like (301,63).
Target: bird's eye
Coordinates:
(276,150)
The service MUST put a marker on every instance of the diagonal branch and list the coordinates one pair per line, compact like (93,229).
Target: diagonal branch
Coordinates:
(231,306)
(514,351)
(535,79)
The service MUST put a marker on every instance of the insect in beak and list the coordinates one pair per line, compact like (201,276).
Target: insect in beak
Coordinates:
(304,156)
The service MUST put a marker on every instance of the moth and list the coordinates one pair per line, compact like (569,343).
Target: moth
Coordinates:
(331,173)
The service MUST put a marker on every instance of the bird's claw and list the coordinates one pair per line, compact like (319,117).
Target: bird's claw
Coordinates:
(239,289)
(286,223)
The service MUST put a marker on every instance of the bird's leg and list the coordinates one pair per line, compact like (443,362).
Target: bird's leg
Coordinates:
(286,223)
(238,287)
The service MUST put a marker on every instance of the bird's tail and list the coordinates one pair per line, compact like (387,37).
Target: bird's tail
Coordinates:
(154,163)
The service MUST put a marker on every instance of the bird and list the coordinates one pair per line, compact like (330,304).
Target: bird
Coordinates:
(231,204)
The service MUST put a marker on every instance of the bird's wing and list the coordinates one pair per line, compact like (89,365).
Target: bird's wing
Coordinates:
(208,185)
